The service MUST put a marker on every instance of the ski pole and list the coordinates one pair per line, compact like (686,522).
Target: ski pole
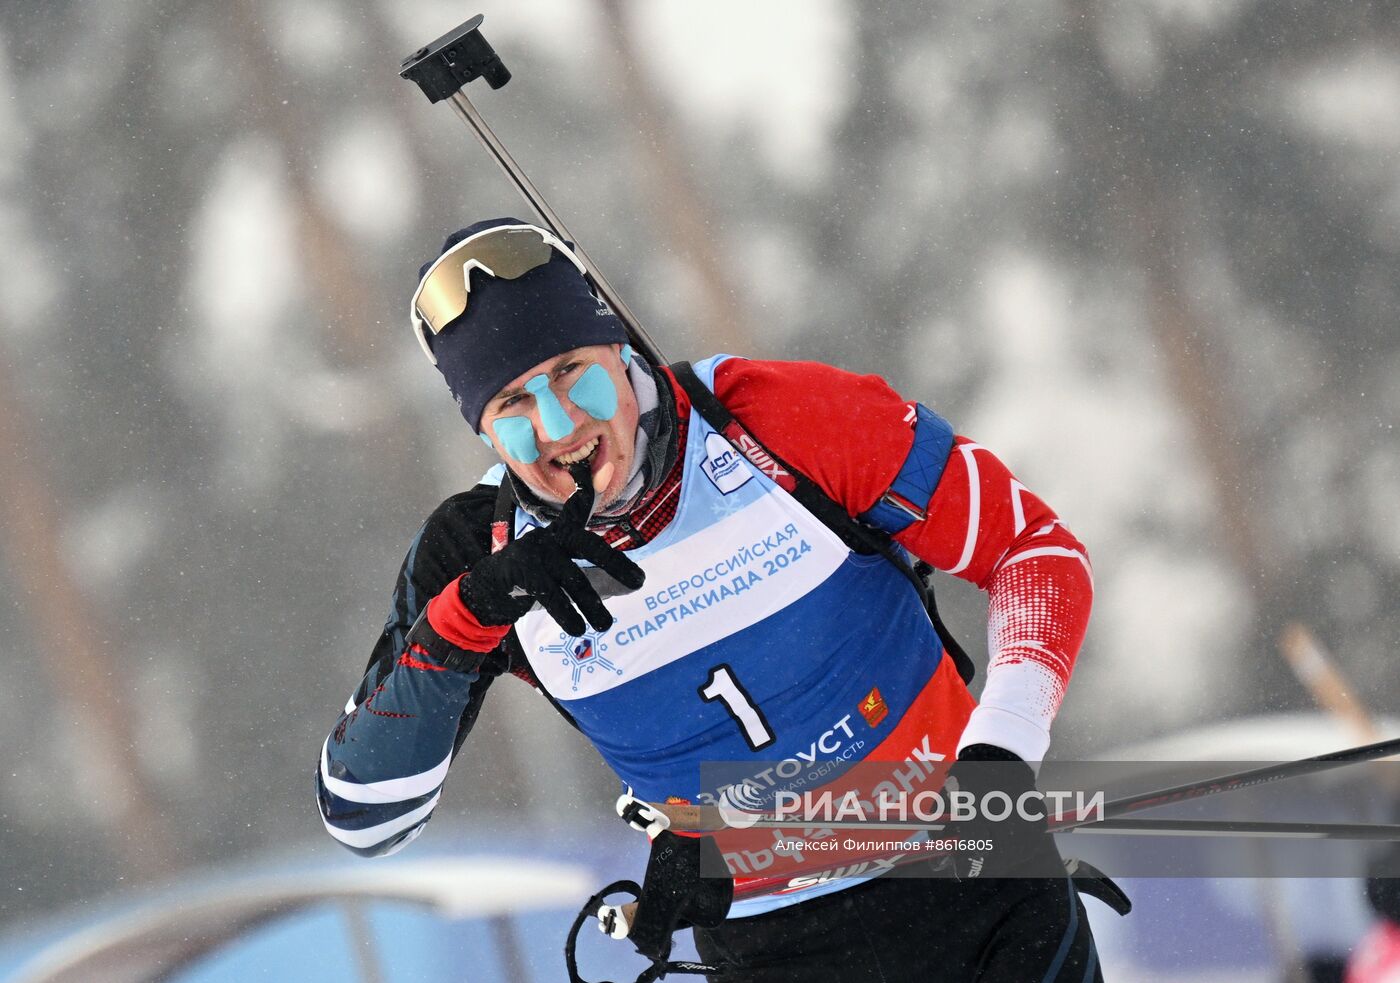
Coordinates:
(1250,778)
(1386,832)
(709,818)
(860,864)
(1106,819)
(691,817)
(442,70)
(867,863)
(1128,827)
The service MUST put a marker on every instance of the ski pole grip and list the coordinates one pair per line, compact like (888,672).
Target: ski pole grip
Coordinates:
(458,57)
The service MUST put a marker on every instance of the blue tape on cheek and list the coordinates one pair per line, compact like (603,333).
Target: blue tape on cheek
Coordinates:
(487,441)
(594,393)
(516,435)
(626,354)
(556,422)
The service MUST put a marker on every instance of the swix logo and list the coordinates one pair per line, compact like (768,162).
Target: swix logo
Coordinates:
(867,868)
(760,458)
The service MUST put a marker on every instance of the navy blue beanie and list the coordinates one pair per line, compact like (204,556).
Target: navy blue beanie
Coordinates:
(511,325)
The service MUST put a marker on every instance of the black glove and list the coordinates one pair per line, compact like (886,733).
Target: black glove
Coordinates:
(675,895)
(539,566)
(1012,847)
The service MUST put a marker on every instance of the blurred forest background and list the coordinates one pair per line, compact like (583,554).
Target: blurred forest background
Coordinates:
(1147,250)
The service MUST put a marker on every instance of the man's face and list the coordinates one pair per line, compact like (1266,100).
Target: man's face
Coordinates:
(615,437)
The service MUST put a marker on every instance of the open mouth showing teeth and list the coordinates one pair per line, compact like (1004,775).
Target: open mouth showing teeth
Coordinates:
(582,454)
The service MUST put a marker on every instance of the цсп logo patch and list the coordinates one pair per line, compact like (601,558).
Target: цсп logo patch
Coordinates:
(723,465)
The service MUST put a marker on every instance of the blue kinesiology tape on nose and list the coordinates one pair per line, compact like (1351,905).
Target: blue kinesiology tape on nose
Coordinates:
(594,393)
(557,424)
(516,436)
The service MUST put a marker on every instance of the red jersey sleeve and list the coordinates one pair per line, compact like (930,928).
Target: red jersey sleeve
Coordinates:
(851,435)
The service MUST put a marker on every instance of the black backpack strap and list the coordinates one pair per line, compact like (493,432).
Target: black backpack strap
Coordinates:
(856,535)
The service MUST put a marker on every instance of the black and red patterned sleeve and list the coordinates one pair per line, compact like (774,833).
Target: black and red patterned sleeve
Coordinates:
(381,770)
